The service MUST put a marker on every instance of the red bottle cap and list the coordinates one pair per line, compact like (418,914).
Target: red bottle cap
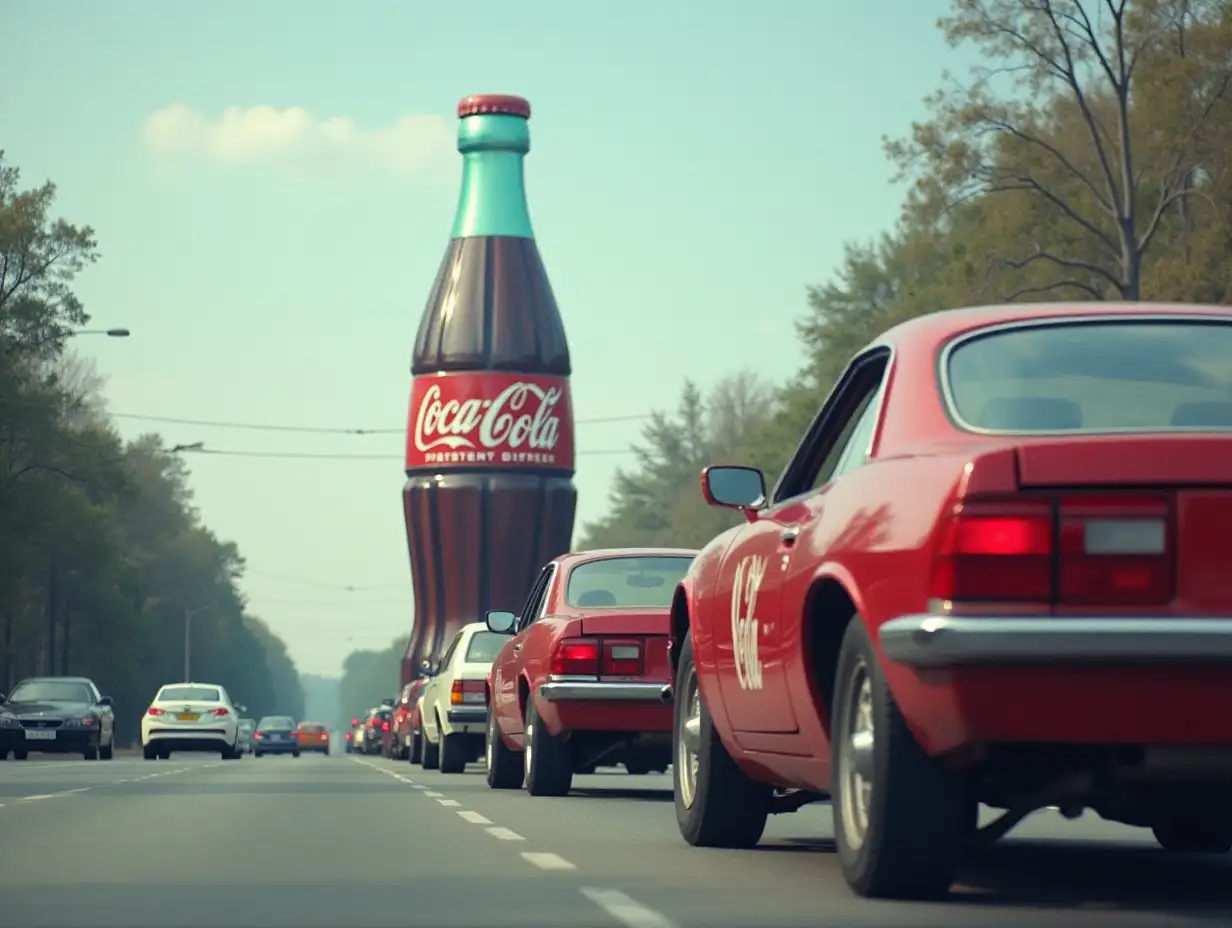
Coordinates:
(493,104)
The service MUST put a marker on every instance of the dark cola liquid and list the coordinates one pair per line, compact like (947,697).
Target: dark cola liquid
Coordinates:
(478,535)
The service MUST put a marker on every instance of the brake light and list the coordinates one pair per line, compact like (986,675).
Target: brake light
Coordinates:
(384,726)
(154,710)
(1115,551)
(221,712)
(354,722)
(1076,550)
(576,657)
(466,692)
(256,735)
(348,736)
(623,658)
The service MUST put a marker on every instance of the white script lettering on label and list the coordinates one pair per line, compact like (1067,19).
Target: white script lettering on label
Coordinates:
(746,629)
(520,416)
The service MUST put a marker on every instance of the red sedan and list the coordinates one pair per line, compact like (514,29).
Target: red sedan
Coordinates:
(584,679)
(995,571)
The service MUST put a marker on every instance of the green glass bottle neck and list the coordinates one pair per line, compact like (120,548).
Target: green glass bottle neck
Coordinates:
(493,198)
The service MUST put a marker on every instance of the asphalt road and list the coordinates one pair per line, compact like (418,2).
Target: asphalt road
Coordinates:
(316,841)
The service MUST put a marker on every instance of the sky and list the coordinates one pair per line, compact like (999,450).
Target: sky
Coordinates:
(273,185)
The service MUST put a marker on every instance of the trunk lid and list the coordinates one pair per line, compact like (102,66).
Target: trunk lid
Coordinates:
(1127,460)
(618,622)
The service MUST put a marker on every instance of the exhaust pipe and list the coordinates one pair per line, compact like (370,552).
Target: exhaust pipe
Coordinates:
(667,694)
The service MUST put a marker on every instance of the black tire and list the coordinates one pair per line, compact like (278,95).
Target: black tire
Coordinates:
(258,754)
(1193,835)
(454,753)
(547,761)
(106,751)
(295,753)
(635,767)
(918,814)
(728,808)
(431,759)
(149,752)
(505,770)
(20,755)
(91,752)
(416,753)
(4,755)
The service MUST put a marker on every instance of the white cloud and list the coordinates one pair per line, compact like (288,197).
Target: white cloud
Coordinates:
(293,138)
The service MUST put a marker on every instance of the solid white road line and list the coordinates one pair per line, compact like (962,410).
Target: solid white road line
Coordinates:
(451,803)
(545,861)
(474,818)
(627,910)
(504,834)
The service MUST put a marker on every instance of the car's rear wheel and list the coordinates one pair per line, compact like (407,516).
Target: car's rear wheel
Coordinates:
(431,754)
(454,753)
(900,818)
(547,761)
(91,752)
(106,751)
(717,803)
(20,755)
(505,769)
(415,755)
(149,752)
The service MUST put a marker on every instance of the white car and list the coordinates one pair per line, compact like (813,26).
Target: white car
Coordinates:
(453,714)
(191,717)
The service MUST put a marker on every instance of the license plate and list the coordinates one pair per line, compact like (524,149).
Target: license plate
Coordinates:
(188,716)
(35,734)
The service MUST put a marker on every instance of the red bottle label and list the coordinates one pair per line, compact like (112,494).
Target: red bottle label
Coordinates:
(489,419)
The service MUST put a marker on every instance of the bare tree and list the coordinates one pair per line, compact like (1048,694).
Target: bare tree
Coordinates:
(1054,121)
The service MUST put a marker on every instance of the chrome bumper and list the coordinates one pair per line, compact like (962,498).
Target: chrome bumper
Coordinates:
(601,691)
(949,641)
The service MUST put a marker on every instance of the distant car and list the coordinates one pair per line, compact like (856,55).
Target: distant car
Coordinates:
(401,736)
(247,727)
(995,571)
(353,735)
(453,712)
(57,715)
(191,717)
(585,679)
(313,737)
(375,728)
(275,734)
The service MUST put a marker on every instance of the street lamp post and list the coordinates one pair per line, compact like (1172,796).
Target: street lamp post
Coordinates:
(110,333)
(188,617)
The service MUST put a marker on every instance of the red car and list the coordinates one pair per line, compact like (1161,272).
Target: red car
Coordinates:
(995,571)
(402,742)
(585,677)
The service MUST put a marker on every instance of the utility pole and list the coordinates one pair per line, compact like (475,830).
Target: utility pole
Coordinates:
(187,645)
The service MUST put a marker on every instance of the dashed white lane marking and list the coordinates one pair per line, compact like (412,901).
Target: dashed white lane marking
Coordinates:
(80,789)
(432,795)
(627,910)
(504,834)
(474,818)
(418,786)
(546,861)
(40,796)
(449,803)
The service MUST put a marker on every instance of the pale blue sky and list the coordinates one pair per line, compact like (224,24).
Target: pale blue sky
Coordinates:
(693,167)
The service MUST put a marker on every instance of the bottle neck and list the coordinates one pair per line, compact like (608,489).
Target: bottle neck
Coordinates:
(493,199)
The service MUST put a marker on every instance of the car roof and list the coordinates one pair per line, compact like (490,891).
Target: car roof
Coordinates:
(55,680)
(946,323)
(216,686)
(574,558)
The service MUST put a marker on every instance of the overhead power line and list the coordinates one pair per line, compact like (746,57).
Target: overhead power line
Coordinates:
(323,456)
(319,430)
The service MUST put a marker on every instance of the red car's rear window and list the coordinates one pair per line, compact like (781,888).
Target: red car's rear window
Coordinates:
(1092,376)
(639,581)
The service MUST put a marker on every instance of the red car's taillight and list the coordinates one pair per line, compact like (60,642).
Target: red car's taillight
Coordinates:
(1078,550)
(222,712)
(384,726)
(576,657)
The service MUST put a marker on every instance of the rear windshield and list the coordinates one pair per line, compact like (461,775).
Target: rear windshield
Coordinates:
(311,727)
(277,723)
(484,647)
(1095,376)
(190,694)
(641,581)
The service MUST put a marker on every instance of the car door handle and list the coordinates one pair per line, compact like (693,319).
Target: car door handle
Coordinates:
(788,535)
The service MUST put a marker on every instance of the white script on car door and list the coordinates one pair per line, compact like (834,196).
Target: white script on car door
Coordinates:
(745,626)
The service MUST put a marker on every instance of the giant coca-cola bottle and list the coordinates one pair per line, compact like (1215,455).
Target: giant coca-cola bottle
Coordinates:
(489,496)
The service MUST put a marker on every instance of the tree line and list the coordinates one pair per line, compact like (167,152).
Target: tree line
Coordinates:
(1086,158)
(103,556)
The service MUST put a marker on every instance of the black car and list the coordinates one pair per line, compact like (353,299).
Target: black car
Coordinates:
(275,734)
(56,715)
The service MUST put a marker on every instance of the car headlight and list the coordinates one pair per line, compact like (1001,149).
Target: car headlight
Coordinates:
(9,721)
